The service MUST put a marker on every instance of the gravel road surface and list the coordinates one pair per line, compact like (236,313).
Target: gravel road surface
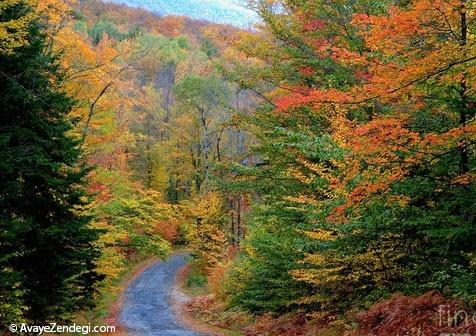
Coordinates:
(146,309)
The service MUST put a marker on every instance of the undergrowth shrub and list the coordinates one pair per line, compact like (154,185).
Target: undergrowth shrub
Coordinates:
(430,314)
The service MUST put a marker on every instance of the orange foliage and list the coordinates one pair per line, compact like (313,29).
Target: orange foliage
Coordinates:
(170,26)
(314,98)
(217,273)
(431,314)
(411,48)
(167,229)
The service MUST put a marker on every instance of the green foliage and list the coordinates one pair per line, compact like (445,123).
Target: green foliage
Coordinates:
(196,278)
(154,51)
(202,93)
(46,243)
(353,201)
(81,27)
(260,280)
(209,48)
(102,27)
(274,245)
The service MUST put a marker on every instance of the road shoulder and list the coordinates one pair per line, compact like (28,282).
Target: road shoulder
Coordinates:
(115,309)
(179,301)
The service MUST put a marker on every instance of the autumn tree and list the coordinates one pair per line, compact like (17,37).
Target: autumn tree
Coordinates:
(206,97)
(384,174)
(406,182)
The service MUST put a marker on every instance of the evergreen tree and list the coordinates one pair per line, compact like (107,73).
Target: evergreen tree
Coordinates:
(46,252)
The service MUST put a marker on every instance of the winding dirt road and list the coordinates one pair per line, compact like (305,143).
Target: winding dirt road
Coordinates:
(146,309)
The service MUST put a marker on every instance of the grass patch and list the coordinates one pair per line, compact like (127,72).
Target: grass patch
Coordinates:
(195,281)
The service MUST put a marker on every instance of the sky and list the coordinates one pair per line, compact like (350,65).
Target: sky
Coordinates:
(219,11)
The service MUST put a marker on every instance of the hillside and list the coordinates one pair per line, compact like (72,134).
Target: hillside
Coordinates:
(218,11)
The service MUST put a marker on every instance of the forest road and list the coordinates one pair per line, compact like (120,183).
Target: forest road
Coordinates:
(146,308)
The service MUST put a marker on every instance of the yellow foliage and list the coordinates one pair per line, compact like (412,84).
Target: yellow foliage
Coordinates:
(323,235)
(111,263)
(207,237)
(377,265)
(14,33)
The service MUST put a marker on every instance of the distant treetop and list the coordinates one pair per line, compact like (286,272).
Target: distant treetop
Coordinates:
(231,12)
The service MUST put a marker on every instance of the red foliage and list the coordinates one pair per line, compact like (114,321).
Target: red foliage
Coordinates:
(295,325)
(307,71)
(430,314)
(100,191)
(171,26)
(167,230)
(205,308)
(306,97)
(314,25)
